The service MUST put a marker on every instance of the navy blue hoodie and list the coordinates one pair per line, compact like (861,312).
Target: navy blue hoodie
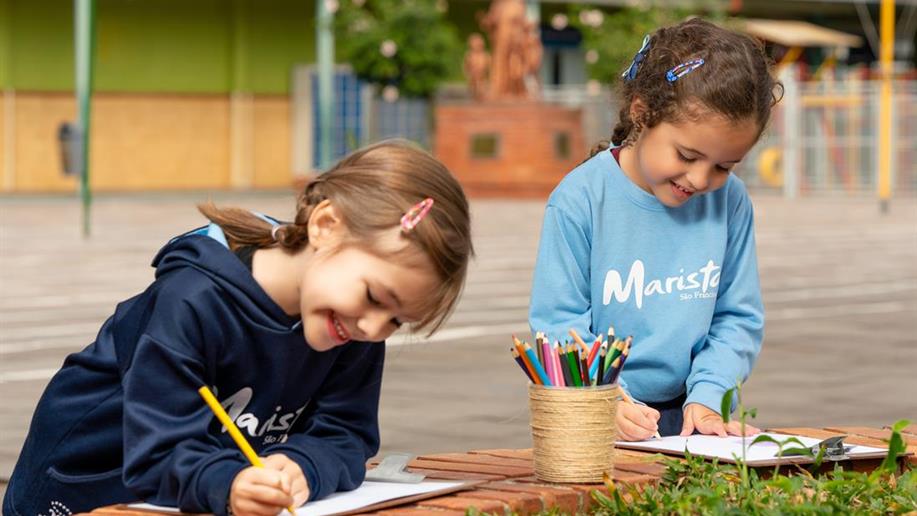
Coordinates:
(122,420)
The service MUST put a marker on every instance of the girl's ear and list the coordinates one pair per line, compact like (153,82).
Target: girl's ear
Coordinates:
(637,109)
(326,228)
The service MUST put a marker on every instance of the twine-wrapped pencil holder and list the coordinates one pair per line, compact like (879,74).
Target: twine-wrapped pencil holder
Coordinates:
(573,432)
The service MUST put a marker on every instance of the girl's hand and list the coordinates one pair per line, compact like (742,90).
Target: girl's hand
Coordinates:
(299,487)
(269,490)
(708,422)
(636,422)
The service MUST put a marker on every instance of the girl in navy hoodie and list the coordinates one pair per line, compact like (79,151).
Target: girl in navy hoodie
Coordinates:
(285,322)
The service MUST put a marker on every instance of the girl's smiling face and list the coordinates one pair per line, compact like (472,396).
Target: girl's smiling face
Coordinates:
(349,293)
(676,161)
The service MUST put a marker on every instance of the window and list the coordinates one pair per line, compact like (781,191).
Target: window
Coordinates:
(485,145)
(562,145)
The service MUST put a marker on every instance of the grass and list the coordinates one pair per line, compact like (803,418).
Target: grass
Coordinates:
(699,487)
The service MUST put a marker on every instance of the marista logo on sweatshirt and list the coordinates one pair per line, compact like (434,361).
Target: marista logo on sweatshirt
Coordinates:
(274,429)
(700,284)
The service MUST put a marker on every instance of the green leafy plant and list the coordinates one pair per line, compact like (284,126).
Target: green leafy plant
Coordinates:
(699,487)
(611,39)
(408,45)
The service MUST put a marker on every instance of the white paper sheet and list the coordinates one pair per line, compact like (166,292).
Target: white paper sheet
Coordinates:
(730,447)
(368,493)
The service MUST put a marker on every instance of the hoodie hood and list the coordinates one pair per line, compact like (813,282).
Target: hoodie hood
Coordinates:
(206,250)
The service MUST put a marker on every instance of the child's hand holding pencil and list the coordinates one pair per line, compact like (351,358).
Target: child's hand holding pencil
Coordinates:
(636,422)
(278,484)
(269,485)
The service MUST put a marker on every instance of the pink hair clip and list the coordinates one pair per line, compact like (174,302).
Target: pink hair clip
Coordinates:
(416,214)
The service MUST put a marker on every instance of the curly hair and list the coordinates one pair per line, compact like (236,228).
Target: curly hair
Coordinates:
(736,80)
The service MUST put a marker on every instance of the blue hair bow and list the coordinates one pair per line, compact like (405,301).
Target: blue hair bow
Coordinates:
(631,71)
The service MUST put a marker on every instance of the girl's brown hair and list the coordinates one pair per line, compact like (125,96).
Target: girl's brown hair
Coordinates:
(735,81)
(371,189)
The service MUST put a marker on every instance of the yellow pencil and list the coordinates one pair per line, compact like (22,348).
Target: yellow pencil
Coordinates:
(237,436)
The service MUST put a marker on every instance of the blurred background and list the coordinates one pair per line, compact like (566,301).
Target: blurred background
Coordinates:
(118,116)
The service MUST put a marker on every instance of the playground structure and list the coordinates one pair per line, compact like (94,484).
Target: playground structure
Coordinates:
(828,127)
(825,136)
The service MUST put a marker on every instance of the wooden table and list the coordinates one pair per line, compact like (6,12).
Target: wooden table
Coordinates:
(510,484)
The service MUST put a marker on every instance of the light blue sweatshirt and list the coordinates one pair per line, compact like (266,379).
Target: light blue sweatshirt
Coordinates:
(683,281)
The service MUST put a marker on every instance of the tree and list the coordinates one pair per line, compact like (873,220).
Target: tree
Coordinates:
(611,40)
(404,44)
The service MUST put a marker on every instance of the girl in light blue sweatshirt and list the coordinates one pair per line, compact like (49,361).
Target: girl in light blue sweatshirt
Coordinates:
(655,236)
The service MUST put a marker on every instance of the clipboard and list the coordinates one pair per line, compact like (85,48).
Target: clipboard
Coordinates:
(318,506)
(726,449)
(411,499)
(390,475)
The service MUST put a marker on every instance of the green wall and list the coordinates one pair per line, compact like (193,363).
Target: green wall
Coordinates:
(281,34)
(41,44)
(181,46)
(4,44)
(163,45)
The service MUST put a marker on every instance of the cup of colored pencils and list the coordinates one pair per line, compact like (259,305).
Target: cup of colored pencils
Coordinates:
(573,398)
(572,364)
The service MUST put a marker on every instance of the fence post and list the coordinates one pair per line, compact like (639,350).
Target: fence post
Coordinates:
(885,148)
(791,123)
(84,43)
(324,49)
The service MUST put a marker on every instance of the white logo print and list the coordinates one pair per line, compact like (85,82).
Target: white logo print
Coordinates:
(704,288)
(278,422)
(58,509)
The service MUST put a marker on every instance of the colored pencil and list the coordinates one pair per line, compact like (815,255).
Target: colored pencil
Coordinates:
(600,374)
(521,363)
(538,349)
(564,366)
(234,432)
(584,369)
(536,364)
(525,359)
(622,358)
(609,373)
(594,351)
(574,368)
(578,340)
(614,353)
(594,363)
(548,360)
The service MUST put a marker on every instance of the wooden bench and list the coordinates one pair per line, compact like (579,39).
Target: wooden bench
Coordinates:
(510,484)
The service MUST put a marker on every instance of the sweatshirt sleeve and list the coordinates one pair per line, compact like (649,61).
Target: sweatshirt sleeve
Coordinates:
(561,281)
(169,456)
(733,342)
(341,431)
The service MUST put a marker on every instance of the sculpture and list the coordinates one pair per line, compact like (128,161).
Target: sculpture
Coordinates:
(477,66)
(515,58)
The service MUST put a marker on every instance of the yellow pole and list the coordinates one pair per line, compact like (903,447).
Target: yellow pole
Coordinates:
(886,56)
(790,57)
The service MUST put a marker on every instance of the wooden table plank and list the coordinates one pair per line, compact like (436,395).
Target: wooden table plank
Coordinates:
(479,458)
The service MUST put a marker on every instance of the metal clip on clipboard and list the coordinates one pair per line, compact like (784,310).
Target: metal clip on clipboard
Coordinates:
(392,469)
(834,448)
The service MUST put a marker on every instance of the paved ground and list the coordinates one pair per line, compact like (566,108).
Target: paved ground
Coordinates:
(840,287)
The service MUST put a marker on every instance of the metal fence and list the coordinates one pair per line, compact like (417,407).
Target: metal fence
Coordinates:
(828,127)
(822,138)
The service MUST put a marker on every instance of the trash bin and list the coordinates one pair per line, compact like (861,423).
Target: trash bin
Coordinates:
(68,137)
